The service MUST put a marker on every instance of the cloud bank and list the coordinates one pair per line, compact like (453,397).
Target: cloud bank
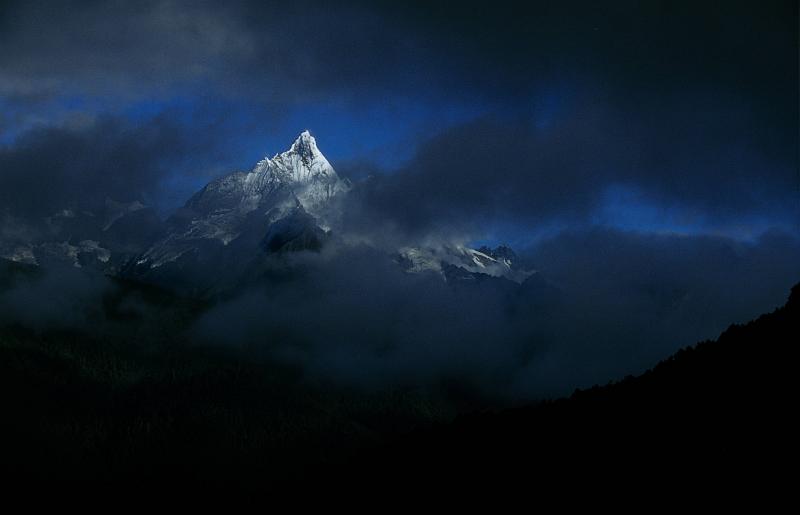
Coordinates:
(350,315)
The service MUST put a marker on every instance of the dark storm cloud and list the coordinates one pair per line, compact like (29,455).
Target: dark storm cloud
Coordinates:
(693,154)
(117,48)
(56,297)
(692,103)
(605,303)
(354,316)
(652,47)
(79,165)
(307,49)
(264,50)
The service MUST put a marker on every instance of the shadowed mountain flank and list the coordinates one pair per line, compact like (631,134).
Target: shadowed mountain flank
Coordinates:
(718,409)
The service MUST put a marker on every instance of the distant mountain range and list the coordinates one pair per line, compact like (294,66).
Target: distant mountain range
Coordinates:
(288,203)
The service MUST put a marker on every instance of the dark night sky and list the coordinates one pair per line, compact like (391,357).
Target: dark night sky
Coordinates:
(657,137)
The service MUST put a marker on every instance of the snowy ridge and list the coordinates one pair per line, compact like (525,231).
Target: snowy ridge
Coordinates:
(494,262)
(303,169)
(63,251)
(228,207)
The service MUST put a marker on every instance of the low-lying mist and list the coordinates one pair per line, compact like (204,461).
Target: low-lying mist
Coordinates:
(350,315)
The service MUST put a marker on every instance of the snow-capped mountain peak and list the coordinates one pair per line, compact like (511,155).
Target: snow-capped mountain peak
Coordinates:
(305,170)
(248,203)
(305,145)
(301,164)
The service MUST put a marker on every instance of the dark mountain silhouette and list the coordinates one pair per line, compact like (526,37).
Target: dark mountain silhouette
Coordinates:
(297,231)
(130,399)
(717,411)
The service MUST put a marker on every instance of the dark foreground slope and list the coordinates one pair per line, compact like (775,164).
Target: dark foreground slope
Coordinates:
(128,396)
(720,410)
(121,392)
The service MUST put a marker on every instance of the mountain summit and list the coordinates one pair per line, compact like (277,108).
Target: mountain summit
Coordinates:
(242,206)
(302,171)
(303,163)
(306,147)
